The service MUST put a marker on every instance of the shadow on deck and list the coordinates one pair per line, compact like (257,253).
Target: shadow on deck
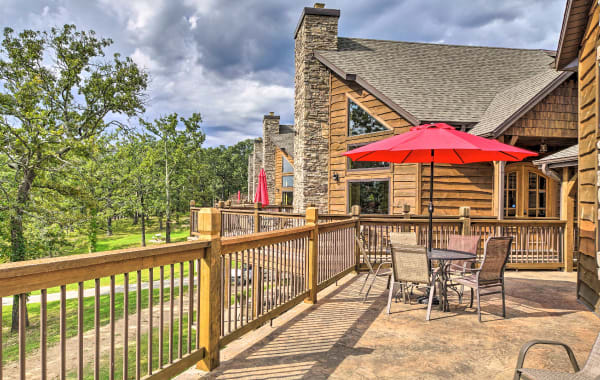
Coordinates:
(343,337)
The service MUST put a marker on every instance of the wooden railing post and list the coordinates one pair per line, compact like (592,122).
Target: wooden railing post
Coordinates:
(257,207)
(566,213)
(356,217)
(464,212)
(192,205)
(312,219)
(209,321)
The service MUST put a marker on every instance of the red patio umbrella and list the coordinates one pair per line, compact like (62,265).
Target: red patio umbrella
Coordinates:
(439,142)
(239,196)
(262,195)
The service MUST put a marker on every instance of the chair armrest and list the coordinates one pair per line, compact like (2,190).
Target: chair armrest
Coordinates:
(532,343)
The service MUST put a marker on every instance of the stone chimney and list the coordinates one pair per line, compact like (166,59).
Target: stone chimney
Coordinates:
(270,129)
(256,158)
(316,30)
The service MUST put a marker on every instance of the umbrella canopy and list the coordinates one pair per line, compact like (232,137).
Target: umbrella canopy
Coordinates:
(262,195)
(439,142)
(239,196)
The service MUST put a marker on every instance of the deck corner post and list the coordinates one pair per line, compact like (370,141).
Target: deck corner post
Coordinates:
(356,217)
(209,228)
(192,219)
(312,217)
(257,208)
(464,213)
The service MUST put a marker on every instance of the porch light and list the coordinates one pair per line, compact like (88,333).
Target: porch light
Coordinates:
(336,177)
(543,148)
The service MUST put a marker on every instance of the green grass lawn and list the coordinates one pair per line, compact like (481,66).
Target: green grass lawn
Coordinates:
(125,235)
(10,339)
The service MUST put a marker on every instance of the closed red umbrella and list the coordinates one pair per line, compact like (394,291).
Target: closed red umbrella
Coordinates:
(439,142)
(239,196)
(262,195)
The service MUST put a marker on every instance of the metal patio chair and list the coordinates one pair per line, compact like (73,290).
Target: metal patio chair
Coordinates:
(491,272)
(410,267)
(464,243)
(372,272)
(590,371)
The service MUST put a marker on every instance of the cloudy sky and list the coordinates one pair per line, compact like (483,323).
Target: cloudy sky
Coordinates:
(232,60)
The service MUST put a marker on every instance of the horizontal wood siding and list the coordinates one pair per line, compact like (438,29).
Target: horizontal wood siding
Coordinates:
(402,177)
(459,185)
(588,285)
(555,116)
(279,154)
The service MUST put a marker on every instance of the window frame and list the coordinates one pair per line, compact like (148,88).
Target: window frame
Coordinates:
(387,128)
(522,171)
(351,146)
(349,183)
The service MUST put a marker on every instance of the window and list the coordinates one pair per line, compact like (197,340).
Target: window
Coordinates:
(286,167)
(360,122)
(287,198)
(372,197)
(287,181)
(357,165)
(536,206)
(510,194)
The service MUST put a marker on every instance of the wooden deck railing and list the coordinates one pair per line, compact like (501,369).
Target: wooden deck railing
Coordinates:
(154,312)
(537,243)
(83,288)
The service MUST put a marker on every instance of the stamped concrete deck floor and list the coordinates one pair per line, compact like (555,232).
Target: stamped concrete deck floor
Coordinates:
(344,338)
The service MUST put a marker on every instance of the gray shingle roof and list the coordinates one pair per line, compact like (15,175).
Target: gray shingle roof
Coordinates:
(285,139)
(568,154)
(516,98)
(437,82)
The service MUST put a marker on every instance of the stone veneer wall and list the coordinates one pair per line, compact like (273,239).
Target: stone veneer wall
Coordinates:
(270,129)
(256,155)
(317,30)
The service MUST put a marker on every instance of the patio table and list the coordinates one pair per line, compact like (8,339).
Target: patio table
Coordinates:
(443,256)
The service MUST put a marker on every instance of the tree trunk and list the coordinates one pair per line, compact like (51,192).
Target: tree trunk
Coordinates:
(168,196)
(17,239)
(135,218)
(160,222)
(109,230)
(143,221)
(93,230)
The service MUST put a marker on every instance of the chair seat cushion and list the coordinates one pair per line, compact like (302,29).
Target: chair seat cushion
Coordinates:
(544,374)
(471,281)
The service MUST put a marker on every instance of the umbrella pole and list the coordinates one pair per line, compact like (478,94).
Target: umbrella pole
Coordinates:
(430,231)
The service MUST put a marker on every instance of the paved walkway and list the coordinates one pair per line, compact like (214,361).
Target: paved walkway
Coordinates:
(344,338)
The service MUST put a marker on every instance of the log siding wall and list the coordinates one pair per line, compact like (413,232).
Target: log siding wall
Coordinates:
(402,177)
(279,154)
(588,285)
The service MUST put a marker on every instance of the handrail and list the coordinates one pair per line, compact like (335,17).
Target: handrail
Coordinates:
(238,243)
(30,275)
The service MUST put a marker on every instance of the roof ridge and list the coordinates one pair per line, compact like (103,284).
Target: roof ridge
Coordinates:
(450,45)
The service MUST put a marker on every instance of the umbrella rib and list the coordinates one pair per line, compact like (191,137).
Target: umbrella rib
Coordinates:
(457,155)
(509,155)
(363,156)
(405,158)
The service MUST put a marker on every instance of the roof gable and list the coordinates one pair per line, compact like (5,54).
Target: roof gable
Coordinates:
(573,28)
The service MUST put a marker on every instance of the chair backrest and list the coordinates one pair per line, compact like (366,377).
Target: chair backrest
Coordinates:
(363,252)
(403,238)
(465,243)
(495,257)
(410,264)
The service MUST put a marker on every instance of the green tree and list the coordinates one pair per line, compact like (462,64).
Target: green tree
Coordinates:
(178,139)
(58,91)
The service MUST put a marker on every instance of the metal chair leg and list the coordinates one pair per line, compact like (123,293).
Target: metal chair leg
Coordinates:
(390,295)
(503,301)
(364,283)
(472,296)
(478,304)
(430,303)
